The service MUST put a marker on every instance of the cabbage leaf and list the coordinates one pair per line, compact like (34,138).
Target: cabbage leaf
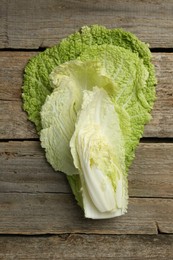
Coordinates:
(60,109)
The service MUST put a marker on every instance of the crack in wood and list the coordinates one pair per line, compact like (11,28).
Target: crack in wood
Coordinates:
(158,228)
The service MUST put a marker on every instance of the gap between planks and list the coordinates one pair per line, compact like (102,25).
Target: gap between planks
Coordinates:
(41,49)
(142,140)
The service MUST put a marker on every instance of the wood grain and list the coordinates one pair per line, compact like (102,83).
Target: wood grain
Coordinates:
(3,23)
(13,121)
(24,168)
(87,247)
(34,24)
(46,213)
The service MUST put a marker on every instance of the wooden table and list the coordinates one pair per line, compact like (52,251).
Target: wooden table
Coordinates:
(39,218)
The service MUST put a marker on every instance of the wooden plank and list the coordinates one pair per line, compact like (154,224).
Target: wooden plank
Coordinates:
(34,24)
(13,121)
(87,247)
(50,213)
(151,174)
(24,168)
(162,122)
(11,73)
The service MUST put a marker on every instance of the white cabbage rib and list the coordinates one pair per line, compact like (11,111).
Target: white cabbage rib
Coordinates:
(97,147)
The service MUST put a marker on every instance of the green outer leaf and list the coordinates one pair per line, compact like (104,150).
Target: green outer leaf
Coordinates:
(36,79)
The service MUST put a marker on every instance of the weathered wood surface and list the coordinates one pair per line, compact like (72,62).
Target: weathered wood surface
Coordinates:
(87,247)
(13,121)
(23,168)
(57,213)
(34,24)
(36,200)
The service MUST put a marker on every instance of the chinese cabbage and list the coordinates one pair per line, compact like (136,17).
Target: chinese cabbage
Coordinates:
(94,74)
